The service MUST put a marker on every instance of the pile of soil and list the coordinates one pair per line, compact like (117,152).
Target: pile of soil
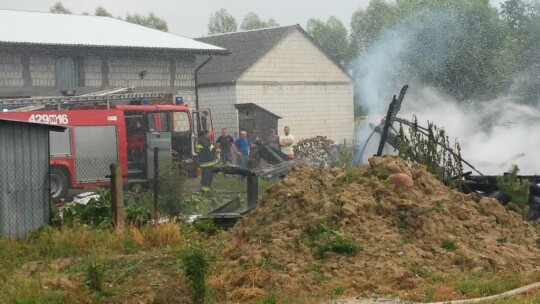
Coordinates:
(408,237)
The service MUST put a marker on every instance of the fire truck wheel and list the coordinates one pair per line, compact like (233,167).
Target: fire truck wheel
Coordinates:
(59,183)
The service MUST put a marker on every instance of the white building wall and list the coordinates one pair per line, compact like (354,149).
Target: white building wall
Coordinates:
(298,82)
(220,100)
(309,110)
(295,58)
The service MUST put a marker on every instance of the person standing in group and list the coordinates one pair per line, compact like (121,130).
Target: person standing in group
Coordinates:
(241,148)
(206,158)
(225,142)
(286,142)
(273,140)
(254,142)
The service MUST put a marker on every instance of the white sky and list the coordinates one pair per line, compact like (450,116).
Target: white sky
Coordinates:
(190,17)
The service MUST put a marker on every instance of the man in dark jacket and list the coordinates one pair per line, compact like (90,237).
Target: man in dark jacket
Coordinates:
(207,159)
(225,142)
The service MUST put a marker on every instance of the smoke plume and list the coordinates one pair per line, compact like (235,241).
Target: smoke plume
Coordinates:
(493,134)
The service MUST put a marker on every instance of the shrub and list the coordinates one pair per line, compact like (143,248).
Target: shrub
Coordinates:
(517,188)
(95,275)
(326,238)
(206,226)
(431,147)
(97,212)
(137,215)
(195,265)
(448,245)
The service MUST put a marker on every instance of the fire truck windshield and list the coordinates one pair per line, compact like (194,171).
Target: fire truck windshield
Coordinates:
(158,122)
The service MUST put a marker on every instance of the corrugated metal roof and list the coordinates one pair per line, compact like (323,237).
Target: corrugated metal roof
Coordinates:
(246,48)
(80,30)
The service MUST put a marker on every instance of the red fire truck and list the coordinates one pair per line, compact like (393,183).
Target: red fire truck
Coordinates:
(116,128)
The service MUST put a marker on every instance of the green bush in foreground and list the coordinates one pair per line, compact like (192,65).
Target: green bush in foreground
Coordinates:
(326,238)
(195,265)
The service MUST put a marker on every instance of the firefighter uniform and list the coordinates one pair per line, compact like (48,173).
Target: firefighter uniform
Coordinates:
(207,159)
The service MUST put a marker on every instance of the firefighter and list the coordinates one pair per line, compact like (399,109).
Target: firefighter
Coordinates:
(207,159)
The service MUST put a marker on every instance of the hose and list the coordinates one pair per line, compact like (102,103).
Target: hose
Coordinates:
(506,294)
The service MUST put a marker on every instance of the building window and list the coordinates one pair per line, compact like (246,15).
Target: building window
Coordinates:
(67,73)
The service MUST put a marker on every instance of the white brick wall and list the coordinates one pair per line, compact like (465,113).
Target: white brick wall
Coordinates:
(309,110)
(295,58)
(220,100)
(303,86)
(125,72)
(11,71)
(185,72)
(42,71)
(92,72)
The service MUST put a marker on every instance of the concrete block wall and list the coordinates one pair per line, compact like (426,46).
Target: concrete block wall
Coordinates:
(181,122)
(309,110)
(35,75)
(185,72)
(188,95)
(11,71)
(220,100)
(92,72)
(42,71)
(125,72)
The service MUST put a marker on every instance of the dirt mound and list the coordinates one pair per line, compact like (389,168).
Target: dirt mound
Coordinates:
(405,237)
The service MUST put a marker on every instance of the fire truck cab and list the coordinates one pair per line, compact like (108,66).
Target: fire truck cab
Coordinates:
(99,135)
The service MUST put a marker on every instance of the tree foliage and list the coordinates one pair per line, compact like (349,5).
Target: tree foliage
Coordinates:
(331,36)
(252,22)
(101,11)
(521,56)
(467,49)
(222,22)
(369,25)
(151,21)
(517,189)
(59,8)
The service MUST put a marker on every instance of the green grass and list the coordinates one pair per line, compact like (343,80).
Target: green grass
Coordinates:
(228,183)
(476,286)
(448,245)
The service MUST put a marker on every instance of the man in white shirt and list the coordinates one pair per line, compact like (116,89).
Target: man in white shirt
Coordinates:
(286,141)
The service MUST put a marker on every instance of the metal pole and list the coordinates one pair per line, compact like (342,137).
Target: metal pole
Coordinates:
(252,190)
(156,180)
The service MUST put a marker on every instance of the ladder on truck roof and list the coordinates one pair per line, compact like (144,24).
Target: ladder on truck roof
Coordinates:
(34,103)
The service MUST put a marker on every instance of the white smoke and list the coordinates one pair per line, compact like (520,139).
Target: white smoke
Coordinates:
(493,134)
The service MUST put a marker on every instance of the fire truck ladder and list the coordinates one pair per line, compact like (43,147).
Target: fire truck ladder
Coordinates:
(40,102)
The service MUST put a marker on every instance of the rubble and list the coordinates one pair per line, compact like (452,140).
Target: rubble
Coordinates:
(320,151)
